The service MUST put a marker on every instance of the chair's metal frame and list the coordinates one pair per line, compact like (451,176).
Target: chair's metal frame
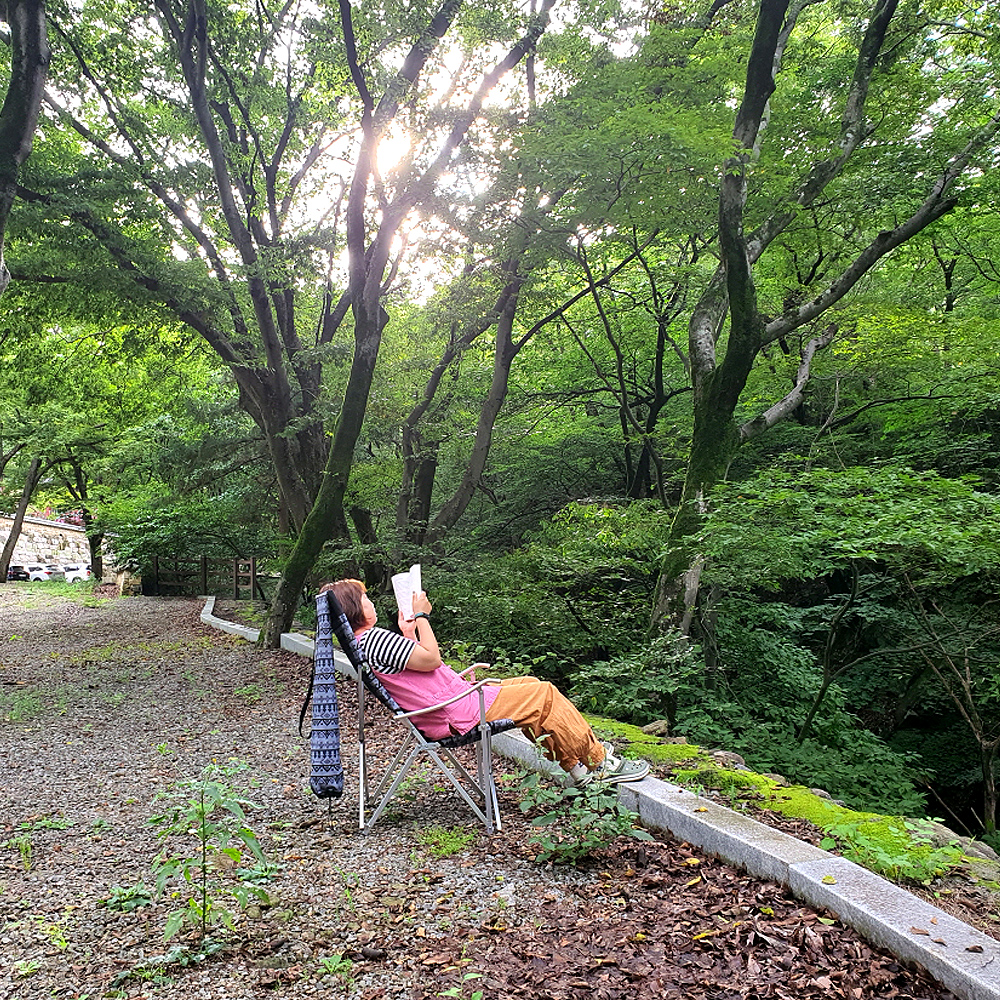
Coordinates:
(481,786)
(478,791)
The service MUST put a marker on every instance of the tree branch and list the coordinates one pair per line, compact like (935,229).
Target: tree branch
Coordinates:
(780,410)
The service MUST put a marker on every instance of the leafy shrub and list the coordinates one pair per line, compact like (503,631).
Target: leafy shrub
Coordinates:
(140,527)
(843,758)
(576,821)
(641,686)
(806,524)
(579,591)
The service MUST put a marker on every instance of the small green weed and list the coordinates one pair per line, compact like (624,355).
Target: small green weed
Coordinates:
(351,881)
(152,970)
(457,991)
(55,932)
(442,842)
(47,823)
(27,967)
(265,871)
(336,965)
(24,705)
(215,814)
(250,693)
(21,842)
(576,821)
(125,899)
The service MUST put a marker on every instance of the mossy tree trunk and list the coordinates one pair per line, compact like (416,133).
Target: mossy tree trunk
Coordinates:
(369,253)
(19,115)
(729,302)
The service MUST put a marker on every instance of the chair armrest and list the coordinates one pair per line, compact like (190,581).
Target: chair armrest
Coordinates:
(473,667)
(457,697)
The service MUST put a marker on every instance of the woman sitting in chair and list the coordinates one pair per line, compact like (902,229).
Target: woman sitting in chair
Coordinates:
(410,668)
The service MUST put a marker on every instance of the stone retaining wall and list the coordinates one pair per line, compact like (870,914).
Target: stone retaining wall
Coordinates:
(46,542)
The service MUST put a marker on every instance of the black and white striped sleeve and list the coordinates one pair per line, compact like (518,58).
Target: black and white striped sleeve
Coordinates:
(387,652)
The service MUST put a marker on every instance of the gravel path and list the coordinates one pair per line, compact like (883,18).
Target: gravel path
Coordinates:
(107,703)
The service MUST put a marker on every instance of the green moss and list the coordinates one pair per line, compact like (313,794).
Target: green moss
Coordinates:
(668,753)
(640,744)
(889,845)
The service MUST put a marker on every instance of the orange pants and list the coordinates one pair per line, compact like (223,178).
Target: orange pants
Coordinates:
(548,717)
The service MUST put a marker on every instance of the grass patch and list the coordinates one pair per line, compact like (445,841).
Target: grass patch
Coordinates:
(443,841)
(37,594)
(21,706)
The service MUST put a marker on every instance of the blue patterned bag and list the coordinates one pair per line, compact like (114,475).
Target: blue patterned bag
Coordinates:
(327,777)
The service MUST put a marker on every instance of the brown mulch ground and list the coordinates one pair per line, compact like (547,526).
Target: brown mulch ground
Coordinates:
(107,704)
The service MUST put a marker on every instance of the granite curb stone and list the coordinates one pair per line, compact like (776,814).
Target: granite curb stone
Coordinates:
(962,958)
(231,627)
(957,955)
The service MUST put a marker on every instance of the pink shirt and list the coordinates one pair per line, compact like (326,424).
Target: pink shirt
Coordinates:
(415,689)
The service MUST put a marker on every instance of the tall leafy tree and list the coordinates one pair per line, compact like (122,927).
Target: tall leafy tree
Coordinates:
(217,161)
(103,409)
(949,127)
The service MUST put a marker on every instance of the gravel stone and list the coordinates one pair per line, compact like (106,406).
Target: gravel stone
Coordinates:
(107,702)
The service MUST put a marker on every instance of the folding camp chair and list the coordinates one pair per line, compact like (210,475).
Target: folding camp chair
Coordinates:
(479,791)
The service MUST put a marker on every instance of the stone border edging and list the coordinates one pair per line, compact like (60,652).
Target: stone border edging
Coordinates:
(962,958)
(244,631)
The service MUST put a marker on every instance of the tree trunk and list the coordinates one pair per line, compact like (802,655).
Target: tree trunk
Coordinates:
(95,539)
(327,520)
(989,761)
(19,115)
(423,491)
(503,357)
(420,463)
(31,481)
(373,564)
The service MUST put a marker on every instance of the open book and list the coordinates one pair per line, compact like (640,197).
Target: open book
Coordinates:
(404,586)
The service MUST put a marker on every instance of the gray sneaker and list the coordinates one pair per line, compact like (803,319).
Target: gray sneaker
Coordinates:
(614,769)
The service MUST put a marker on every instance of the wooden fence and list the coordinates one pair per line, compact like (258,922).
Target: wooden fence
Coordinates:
(171,575)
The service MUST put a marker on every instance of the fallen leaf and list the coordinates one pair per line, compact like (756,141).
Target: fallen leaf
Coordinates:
(828,880)
(919,930)
(976,948)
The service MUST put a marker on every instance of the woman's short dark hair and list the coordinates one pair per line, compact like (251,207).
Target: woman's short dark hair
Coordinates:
(349,594)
